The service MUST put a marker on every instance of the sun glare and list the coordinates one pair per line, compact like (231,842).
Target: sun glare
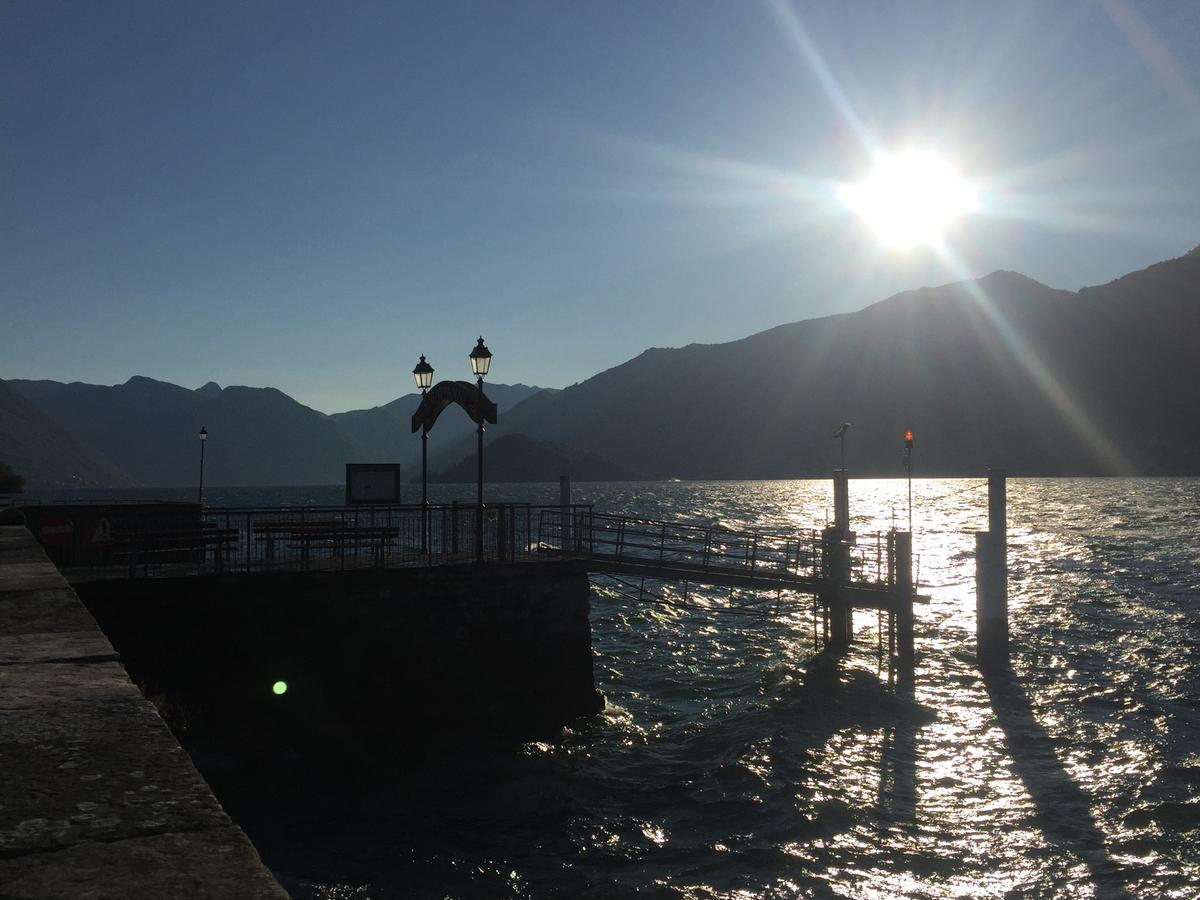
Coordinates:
(910,198)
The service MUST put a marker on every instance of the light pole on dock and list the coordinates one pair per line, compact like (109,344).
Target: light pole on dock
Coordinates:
(840,434)
(908,449)
(203,440)
(423,375)
(481,362)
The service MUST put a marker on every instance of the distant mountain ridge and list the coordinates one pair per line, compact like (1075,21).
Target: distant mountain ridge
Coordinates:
(1000,370)
(36,448)
(146,432)
(518,457)
(385,432)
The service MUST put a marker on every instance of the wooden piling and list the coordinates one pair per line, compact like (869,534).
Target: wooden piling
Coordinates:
(991,580)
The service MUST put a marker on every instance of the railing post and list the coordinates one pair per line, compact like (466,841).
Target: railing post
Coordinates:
(662,542)
(454,528)
(303,542)
(564,509)
(753,553)
(707,545)
(501,537)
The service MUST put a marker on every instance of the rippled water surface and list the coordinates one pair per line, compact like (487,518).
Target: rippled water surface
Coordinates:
(730,764)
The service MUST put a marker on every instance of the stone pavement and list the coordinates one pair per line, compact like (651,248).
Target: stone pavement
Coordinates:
(97,798)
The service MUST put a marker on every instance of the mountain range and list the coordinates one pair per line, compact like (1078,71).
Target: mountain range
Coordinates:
(146,432)
(1000,370)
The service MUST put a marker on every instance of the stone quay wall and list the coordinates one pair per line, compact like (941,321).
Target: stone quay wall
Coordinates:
(98,799)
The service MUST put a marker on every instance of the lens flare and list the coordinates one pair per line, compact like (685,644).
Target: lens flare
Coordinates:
(279,688)
(910,198)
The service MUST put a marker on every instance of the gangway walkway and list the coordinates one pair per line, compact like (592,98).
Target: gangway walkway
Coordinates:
(864,572)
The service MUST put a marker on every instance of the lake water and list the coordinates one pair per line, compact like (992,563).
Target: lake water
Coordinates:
(727,764)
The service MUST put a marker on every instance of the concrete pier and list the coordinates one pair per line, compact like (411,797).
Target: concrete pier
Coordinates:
(98,798)
(382,658)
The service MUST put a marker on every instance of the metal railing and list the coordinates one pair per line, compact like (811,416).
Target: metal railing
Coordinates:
(332,538)
(186,539)
(684,546)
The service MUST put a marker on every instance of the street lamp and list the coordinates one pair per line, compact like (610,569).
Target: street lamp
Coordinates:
(200,492)
(481,362)
(423,375)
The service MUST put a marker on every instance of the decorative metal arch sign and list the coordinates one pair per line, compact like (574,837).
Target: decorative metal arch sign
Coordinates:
(442,394)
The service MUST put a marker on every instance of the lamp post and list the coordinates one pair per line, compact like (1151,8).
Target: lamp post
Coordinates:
(423,375)
(908,449)
(203,439)
(481,362)
(840,434)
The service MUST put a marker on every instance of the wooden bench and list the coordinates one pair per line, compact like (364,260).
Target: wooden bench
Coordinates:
(182,544)
(333,535)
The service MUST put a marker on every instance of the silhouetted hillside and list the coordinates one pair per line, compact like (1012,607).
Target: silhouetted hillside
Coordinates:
(384,433)
(257,436)
(1001,370)
(518,457)
(149,429)
(41,452)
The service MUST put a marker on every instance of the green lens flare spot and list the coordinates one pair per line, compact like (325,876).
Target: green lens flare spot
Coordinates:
(280,688)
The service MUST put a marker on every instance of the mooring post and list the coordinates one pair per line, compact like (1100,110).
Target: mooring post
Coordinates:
(841,500)
(991,580)
(564,509)
(841,613)
(904,596)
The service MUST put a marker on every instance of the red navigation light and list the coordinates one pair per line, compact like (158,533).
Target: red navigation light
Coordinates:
(908,440)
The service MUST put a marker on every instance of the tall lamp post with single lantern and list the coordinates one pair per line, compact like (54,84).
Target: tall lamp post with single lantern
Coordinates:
(423,375)
(203,441)
(481,362)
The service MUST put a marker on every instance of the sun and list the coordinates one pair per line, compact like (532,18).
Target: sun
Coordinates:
(910,198)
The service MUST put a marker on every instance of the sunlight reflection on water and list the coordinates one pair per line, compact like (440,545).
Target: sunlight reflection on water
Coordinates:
(728,765)
(1074,780)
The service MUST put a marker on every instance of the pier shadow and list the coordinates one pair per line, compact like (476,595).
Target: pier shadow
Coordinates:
(870,703)
(1062,807)
(897,798)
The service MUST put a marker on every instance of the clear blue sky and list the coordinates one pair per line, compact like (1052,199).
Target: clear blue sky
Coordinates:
(308,196)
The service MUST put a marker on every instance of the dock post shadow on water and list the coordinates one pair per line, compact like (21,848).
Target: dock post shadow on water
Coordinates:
(1063,806)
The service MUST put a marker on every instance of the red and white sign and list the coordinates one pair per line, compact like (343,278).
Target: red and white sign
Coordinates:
(56,530)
